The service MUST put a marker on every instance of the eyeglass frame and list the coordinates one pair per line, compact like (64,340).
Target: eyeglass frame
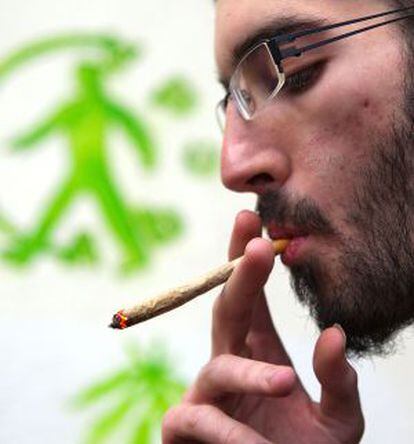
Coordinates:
(278,54)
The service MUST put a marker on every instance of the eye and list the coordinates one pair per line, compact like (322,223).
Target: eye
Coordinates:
(302,80)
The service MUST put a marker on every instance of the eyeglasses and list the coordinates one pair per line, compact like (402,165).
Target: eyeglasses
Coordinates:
(259,76)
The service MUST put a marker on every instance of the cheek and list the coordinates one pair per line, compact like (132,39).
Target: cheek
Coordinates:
(341,135)
(352,109)
(344,120)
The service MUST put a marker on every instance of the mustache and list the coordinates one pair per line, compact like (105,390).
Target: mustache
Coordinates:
(275,206)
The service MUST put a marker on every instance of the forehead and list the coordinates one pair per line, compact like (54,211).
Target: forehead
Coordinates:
(239,21)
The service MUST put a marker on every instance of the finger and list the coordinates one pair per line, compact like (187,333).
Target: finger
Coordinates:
(262,336)
(247,226)
(263,339)
(232,311)
(207,424)
(340,397)
(233,374)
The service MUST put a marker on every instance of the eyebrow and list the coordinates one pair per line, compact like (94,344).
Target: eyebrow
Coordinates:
(271,28)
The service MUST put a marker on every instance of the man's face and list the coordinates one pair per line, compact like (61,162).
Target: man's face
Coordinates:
(330,161)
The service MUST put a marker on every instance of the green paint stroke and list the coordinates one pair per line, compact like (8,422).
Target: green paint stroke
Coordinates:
(82,249)
(135,398)
(201,158)
(111,48)
(6,227)
(177,95)
(85,122)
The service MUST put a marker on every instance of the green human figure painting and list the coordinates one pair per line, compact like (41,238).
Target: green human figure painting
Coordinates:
(85,121)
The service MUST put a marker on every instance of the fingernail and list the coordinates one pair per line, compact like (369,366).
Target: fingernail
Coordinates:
(339,327)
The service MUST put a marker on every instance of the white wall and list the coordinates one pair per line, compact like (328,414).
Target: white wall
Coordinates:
(53,335)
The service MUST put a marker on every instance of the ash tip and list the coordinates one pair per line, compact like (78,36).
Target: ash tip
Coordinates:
(115,324)
(118,321)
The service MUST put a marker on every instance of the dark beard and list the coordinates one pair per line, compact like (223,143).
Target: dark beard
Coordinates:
(371,293)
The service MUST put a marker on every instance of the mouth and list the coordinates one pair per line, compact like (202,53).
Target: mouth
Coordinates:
(297,237)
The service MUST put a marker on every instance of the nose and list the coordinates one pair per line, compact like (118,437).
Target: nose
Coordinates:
(252,157)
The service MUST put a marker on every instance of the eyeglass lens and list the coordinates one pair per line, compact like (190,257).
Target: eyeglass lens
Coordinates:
(255,80)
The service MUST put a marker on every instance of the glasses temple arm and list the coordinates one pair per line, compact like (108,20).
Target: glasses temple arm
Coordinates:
(289,38)
(296,52)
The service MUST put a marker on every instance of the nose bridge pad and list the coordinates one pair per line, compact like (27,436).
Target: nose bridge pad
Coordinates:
(237,126)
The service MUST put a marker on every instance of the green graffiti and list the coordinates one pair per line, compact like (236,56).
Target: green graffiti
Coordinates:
(159,226)
(85,123)
(201,158)
(6,227)
(176,96)
(135,397)
(82,249)
(111,50)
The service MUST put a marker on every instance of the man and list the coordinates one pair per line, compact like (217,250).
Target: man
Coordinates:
(319,124)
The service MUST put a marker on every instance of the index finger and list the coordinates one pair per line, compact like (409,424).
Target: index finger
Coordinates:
(234,307)
(247,226)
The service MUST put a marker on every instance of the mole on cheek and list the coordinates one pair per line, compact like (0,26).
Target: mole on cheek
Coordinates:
(366,103)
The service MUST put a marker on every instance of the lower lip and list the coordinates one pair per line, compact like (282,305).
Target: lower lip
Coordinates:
(291,254)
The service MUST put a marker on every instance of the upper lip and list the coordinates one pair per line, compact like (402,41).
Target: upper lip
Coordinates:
(279,232)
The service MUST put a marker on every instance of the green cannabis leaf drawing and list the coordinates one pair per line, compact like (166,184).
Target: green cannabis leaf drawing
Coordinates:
(136,398)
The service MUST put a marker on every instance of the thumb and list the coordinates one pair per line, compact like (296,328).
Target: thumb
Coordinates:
(339,381)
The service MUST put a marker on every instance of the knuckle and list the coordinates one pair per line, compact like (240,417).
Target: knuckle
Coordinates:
(223,360)
(191,422)
(205,372)
(202,382)
(190,393)
(258,341)
(183,420)
(214,366)
(208,372)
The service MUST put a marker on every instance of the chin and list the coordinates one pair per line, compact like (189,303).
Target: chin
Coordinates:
(371,308)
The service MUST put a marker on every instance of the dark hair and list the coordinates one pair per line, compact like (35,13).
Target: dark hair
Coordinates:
(406,25)
(407,30)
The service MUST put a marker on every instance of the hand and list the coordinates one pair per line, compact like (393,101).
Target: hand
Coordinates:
(248,393)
